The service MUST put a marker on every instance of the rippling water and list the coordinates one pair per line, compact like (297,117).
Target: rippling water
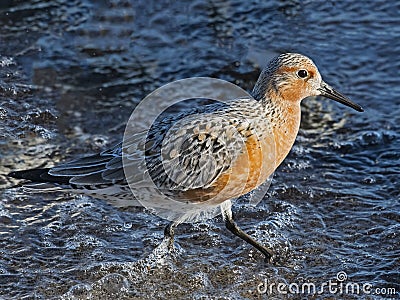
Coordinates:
(72,72)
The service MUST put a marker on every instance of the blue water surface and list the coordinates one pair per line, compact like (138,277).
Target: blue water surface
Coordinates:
(71,72)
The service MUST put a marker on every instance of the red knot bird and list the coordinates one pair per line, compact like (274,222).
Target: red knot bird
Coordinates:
(225,153)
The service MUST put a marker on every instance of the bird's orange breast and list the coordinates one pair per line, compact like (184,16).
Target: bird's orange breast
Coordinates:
(260,157)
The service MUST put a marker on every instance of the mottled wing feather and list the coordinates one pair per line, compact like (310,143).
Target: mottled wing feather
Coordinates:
(192,155)
(192,152)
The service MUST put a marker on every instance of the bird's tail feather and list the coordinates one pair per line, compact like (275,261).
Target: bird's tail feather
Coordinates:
(39,176)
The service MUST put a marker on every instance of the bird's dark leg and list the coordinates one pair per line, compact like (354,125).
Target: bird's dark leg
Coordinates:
(234,228)
(169,233)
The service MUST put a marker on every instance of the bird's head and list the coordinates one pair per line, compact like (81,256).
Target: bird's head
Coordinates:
(291,77)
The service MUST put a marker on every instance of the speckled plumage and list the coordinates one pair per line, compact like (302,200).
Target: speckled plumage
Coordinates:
(203,142)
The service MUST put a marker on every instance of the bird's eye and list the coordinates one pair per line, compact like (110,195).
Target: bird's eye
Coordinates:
(302,73)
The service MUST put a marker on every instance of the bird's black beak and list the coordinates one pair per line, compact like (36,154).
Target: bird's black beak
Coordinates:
(327,91)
